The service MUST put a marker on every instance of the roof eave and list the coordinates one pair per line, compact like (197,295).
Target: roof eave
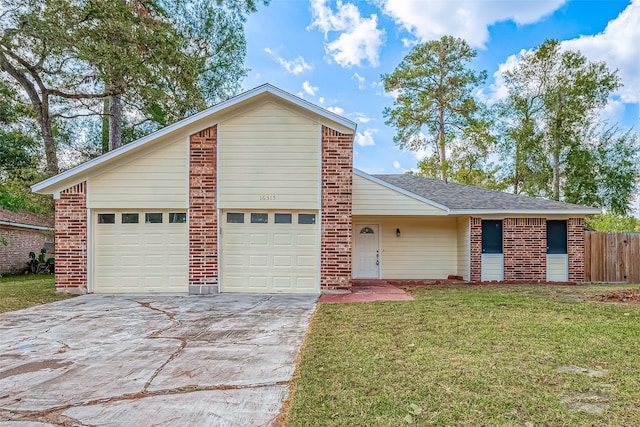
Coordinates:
(577,211)
(48,186)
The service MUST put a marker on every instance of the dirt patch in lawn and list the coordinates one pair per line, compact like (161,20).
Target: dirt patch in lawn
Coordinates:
(628,296)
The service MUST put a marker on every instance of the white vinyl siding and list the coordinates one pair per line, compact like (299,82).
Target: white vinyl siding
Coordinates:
(426,249)
(463,247)
(557,267)
(269,157)
(371,198)
(156,180)
(140,257)
(269,257)
(492,267)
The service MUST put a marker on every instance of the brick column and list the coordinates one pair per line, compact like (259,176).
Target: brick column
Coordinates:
(525,249)
(71,240)
(575,249)
(475,249)
(337,177)
(203,217)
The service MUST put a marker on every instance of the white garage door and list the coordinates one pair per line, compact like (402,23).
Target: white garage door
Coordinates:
(270,252)
(140,251)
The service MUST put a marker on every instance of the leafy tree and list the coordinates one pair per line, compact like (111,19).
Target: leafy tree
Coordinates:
(159,60)
(603,170)
(553,96)
(434,103)
(611,222)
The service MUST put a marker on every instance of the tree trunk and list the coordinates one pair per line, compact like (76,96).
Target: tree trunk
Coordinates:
(441,147)
(40,104)
(105,126)
(556,174)
(115,121)
(50,151)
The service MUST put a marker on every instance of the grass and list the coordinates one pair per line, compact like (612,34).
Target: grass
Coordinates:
(18,292)
(471,356)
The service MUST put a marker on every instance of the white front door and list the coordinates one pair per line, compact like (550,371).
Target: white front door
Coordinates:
(366,252)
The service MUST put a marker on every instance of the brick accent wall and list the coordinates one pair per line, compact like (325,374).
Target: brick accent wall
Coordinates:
(20,241)
(203,217)
(71,240)
(575,249)
(475,249)
(337,176)
(525,249)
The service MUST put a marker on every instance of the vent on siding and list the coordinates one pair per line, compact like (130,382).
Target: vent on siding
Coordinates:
(76,189)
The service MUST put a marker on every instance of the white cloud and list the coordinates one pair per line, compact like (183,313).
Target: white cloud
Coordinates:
(361,118)
(469,19)
(295,66)
(308,88)
(336,110)
(321,100)
(498,89)
(396,164)
(361,80)
(365,139)
(360,38)
(619,46)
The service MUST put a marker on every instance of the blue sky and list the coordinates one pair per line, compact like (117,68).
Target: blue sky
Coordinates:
(332,53)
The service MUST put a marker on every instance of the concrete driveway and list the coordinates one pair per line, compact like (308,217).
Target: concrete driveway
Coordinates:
(104,360)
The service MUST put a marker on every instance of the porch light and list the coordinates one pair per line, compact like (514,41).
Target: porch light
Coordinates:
(398,233)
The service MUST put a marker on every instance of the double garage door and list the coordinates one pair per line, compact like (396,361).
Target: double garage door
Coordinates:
(269,251)
(260,251)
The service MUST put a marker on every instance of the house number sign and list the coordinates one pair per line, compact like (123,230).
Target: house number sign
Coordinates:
(266,197)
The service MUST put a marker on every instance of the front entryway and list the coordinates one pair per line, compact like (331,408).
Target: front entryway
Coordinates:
(366,251)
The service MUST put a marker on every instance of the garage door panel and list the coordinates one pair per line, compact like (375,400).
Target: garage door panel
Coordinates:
(282,282)
(258,261)
(130,260)
(307,283)
(269,257)
(258,281)
(234,239)
(139,258)
(282,240)
(305,261)
(307,240)
(282,261)
(261,239)
(153,239)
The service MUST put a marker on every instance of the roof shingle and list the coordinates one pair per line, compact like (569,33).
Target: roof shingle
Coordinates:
(466,197)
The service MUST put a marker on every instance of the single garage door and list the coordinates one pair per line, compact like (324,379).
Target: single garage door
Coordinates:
(140,251)
(270,252)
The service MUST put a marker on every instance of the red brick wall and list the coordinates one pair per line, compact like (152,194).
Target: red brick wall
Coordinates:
(525,249)
(475,249)
(337,176)
(203,218)
(71,240)
(575,249)
(20,241)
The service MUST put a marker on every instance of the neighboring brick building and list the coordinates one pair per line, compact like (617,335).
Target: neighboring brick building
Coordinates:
(259,194)
(23,232)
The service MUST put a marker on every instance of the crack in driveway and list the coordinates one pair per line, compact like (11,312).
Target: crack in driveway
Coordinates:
(55,415)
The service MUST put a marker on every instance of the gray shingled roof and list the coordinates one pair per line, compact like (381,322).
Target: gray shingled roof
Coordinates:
(465,197)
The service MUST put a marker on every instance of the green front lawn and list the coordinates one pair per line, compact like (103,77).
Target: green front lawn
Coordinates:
(472,356)
(18,292)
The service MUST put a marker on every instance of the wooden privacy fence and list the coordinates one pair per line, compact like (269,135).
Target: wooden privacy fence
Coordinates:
(612,257)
